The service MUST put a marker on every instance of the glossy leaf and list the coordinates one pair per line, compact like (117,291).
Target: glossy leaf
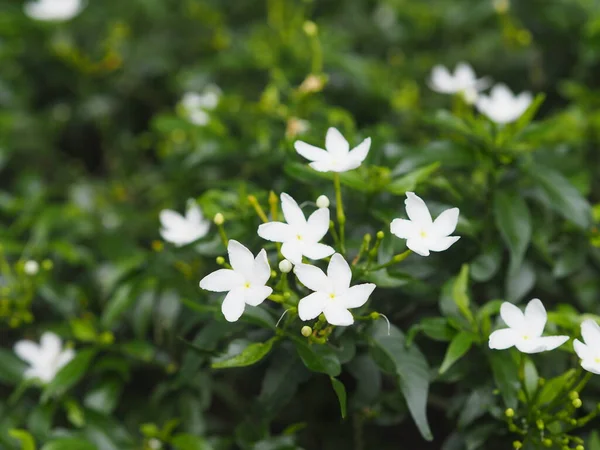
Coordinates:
(459,346)
(340,392)
(252,354)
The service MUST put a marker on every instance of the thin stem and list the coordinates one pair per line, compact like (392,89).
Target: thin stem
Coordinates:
(395,260)
(261,213)
(341,217)
(223,235)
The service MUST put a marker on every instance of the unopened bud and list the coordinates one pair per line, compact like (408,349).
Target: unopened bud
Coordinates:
(577,403)
(509,412)
(380,235)
(285,266)
(517,445)
(219,219)
(540,424)
(547,442)
(323,201)
(273,274)
(374,315)
(580,447)
(306,331)
(220,260)
(573,395)
(310,28)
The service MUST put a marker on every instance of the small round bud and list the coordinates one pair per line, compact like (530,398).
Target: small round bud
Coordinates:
(31,267)
(154,444)
(306,331)
(287,294)
(374,315)
(577,403)
(310,28)
(323,201)
(547,442)
(573,395)
(573,422)
(540,424)
(509,412)
(107,338)
(517,445)
(47,264)
(273,274)
(219,219)
(380,235)
(220,260)
(579,447)
(285,266)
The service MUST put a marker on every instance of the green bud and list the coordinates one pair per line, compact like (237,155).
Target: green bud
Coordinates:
(273,274)
(517,445)
(306,331)
(380,235)
(577,403)
(509,412)
(573,395)
(547,442)
(374,315)
(579,447)
(220,260)
(540,424)
(219,219)
(573,422)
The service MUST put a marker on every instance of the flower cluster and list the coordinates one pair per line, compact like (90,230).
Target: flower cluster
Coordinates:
(195,106)
(53,10)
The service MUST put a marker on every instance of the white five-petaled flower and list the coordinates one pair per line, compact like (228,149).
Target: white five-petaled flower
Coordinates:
(502,106)
(180,230)
(589,353)
(421,233)
(332,294)
(463,81)
(53,10)
(45,359)
(525,330)
(195,106)
(300,237)
(245,282)
(337,157)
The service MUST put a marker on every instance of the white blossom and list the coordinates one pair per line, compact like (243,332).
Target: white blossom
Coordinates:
(332,294)
(589,352)
(180,230)
(53,10)
(337,157)
(502,106)
(422,234)
(31,267)
(285,266)
(45,359)
(524,330)
(196,106)
(244,282)
(463,81)
(300,237)
(322,201)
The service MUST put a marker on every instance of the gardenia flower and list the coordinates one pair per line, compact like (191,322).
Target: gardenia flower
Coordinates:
(300,237)
(45,359)
(338,157)
(525,330)
(332,294)
(196,105)
(589,353)
(53,9)
(179,230)
(463,81)
(421,233)
(502,106)
(245,284)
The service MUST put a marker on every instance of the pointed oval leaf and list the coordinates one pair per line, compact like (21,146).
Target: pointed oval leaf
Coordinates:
(459,346)
(248,356)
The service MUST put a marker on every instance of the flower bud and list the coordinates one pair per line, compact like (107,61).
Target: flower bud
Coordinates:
(31,267)
(220,260)
(547,442)
(517,445)
(573,395)
(310,28)
(509,412)
(577,403)
(47,264)
(374,315)
(154,444)
(273,274)
(380,235)
(540,424)
(323,201)
(306,331)
(579,447)
(219,219)
(285,266)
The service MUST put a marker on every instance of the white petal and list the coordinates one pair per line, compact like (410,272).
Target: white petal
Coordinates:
(311,152)
(360,152)
(65,358)
(535,317)
(240,258)
(418,246)
(404,229)
(339,273)
(28,351)
(441,244)
(255,295)
(179,236)
(194,214)
(172,219)
(552,342)
(322,166)
(445,224)
(417,210)
(292,251)
(276,231)
(336,144)
(198,117)
(291,211)
(337,315)
(591,366)
(345,165)
(50,345)
(530,345)
(233,306)
(441,80)
(512,316)
(582,350)
(261,271)
(358,295)
(317,251)
(221,280)
(591,333)
(464,75)
(191,100)
(311,306)
(312,277)
(318,225)
(501,93)
(503,339)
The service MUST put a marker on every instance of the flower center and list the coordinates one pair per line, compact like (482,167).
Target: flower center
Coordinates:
(423,234)
(332,296)
(597,360)
(246,285)
(299,237)
(525,337)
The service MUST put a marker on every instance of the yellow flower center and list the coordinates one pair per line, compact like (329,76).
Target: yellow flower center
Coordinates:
(525,337)
(299,237)
(423,234)
(332,296)
(246,284)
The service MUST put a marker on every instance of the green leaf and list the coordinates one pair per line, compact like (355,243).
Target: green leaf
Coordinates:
(184,441)
(564,198)
(460,293)
(531,377)
(340,391)
(352,179)
(121,300)
(505,370)
(69,375)
(486,265)
(555,386)
(514,222)
(26,439)
(104,397)
(252,354)
(69,444)
(318,358)
(519,281)
(437,328)
(593,442)
(528,115)
(383,279)
(459,346)
(408,365)
(410,181)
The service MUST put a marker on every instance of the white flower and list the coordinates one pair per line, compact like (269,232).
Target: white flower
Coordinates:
(464,81)
(338,157)
(245,284)
(332,294)
(45,359)
(31,267)
(179,230)
(53,9)
(322,201)
(196,105)
(421,233)
(300,237)
(589,353)
(285,266)
(524,330)
(502,106)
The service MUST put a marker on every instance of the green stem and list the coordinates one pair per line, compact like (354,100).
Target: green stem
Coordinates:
(223,235)
(341,217)
(395,260)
